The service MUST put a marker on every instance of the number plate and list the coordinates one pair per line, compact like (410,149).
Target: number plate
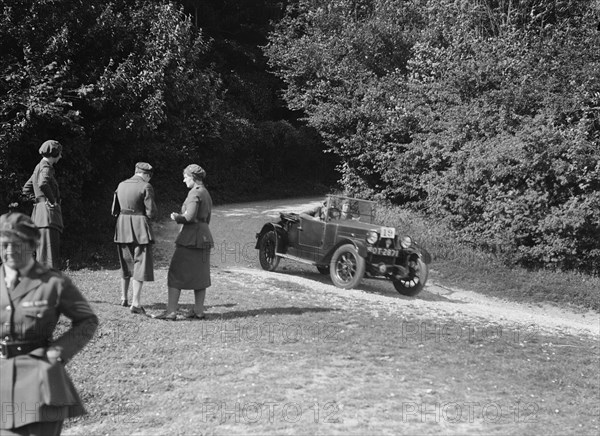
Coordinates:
(383,251)
(388,232)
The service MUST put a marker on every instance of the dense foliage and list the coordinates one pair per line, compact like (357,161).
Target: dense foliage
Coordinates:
(483,112)
(119,81)
(113,81)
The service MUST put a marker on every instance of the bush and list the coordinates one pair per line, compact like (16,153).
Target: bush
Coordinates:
(481,113)
(532,198)
(457,263)
(118,82)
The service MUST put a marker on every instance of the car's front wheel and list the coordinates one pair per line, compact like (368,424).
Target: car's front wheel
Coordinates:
(266,251)
(347,267)
(415,282)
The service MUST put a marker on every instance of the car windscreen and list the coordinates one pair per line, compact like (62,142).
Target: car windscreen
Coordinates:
(352,209)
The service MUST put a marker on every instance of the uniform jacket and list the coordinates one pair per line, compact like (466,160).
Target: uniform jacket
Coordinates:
(134,205)
(32,389)
(195,218)
(43,185)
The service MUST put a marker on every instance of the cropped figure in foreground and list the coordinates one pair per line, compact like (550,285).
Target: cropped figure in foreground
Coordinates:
(134,207)
(47,213)
(190,265)
(36,392)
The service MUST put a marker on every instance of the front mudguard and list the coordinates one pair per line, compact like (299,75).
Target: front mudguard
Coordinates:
(360,247)
(282,243)
(424,255)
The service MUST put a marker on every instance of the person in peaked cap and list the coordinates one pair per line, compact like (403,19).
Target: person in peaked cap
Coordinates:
(36,392)
(47,212)
(134,206)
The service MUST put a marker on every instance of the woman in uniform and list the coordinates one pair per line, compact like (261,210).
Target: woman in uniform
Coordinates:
(47,214)
(190,265)
(36,393)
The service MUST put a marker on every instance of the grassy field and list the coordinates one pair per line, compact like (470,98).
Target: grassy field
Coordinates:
(275,357)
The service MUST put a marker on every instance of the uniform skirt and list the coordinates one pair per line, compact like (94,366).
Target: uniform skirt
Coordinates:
(48,249)
(190,268)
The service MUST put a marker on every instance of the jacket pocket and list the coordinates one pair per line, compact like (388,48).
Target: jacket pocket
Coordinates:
(56,387)
(35,312)
(55,217)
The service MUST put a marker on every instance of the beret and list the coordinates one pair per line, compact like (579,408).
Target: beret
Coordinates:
(50,148)
(20,225)
(195,171)
(144,167)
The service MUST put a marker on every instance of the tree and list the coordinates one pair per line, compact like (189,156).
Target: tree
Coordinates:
(115,81)
(445,104)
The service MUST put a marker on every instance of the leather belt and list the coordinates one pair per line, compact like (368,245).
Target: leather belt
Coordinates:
(130,212)
(9,349)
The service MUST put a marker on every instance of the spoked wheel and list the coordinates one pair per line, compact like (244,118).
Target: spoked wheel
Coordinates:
(415,282)
(323,269)
(347,268)
(266,251)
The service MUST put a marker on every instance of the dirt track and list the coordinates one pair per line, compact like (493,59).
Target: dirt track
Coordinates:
(234,227)
(441,305)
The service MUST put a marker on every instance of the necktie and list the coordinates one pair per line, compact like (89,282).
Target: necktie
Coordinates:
(15,281)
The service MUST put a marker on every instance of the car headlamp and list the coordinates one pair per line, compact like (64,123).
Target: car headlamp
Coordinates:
(372,237)
(406,242)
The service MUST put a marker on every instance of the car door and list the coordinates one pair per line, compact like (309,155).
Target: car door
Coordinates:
(310,236)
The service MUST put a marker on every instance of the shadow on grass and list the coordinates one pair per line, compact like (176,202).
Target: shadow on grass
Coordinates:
(118,303)
(250,313)
(424,295)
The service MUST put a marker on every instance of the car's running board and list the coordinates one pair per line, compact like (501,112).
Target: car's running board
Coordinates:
(297,259)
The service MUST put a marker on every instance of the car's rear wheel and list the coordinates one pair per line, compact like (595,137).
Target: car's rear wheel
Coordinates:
(266,251)
(415,282)
(323,269)
(347,267)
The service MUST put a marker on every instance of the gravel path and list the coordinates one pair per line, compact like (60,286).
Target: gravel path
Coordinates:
(440,305)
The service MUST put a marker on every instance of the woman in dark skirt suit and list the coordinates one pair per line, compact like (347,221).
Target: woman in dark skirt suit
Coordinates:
(190,265)
(47,214)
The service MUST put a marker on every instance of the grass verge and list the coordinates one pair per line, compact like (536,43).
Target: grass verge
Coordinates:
(457,265)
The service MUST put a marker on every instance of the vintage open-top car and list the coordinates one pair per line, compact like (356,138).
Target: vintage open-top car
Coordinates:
(341,239)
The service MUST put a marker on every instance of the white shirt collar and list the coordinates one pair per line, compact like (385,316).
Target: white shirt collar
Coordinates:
(10,273)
